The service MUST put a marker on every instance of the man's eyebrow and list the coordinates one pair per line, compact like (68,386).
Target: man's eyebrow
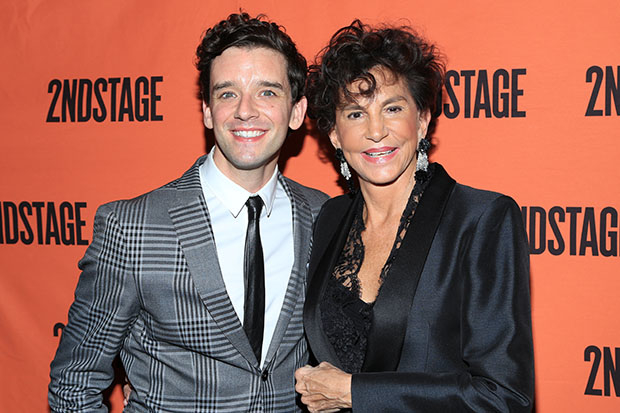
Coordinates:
(221,85)
(262,83)
(275,85)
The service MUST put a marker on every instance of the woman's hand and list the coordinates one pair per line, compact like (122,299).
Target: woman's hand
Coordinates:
(126,391)
(324,388)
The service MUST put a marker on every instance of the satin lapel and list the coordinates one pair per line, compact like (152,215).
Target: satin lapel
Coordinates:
(393,305)
(296,289)
(191,221)
(330,237)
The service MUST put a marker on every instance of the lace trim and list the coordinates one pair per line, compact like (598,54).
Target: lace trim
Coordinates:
(345,316)
(348,266)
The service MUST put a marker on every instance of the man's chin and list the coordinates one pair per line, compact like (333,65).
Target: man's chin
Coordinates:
(254,162)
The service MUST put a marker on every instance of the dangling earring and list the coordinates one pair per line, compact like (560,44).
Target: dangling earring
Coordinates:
(344,166)
(344,169)
(421,167)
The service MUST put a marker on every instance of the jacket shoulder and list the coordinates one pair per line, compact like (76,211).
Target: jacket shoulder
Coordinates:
(163,196)
(154,203)
(333,211)
(155,196)
(480,199)
(314,197)
(338,203)
(472,205)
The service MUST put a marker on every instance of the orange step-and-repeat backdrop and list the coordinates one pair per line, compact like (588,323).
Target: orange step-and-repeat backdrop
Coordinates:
(99,103)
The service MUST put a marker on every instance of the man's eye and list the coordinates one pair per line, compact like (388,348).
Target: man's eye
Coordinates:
(267,93)
(354,115)
(227,95)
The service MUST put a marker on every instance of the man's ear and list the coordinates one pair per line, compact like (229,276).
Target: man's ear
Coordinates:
(206,115)
(298,113)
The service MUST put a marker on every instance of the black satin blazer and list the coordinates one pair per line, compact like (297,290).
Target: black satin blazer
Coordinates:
(452,327)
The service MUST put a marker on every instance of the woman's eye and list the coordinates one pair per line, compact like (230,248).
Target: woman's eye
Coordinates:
(354,115)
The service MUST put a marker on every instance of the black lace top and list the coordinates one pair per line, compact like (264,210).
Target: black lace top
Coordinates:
(346,318)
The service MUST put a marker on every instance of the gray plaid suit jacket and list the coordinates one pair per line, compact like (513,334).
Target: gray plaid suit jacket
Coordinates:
(151,289)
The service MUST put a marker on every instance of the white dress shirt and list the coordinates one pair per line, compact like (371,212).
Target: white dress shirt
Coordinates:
(229,220)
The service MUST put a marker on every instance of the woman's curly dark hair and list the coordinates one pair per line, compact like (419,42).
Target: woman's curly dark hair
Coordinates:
(241,30)
(356,49)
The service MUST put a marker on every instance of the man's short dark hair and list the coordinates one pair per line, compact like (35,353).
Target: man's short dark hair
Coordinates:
(241,30)
(354,51)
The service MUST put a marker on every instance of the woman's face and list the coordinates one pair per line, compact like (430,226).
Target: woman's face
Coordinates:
(379,135)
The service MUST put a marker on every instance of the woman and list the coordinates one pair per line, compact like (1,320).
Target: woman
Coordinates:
(418,296)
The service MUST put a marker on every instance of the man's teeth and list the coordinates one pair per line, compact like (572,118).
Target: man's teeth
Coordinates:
(248,133)
(378,154)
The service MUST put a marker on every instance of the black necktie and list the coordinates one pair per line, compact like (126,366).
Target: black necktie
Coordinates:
(254,278)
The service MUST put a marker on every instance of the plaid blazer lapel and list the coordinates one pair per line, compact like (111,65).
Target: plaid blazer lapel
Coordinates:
(190,218)
(289,327)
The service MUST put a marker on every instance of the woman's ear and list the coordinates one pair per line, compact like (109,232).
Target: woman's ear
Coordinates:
(424,119)
(334,138)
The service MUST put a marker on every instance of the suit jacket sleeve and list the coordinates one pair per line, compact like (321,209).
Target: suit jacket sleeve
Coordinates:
(496,338)
(104,308)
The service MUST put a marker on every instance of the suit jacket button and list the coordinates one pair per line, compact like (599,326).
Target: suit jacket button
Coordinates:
(264,376)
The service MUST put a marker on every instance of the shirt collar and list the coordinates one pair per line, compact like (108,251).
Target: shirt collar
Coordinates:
(231,195)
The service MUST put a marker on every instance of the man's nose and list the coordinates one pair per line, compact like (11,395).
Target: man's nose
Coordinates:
(246,109)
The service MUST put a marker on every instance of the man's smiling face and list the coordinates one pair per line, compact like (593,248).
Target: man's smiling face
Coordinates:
(250,109)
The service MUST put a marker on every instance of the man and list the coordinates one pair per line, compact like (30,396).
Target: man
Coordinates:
(172,283)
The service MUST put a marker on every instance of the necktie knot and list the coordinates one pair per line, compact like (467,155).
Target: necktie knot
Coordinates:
(255,205)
